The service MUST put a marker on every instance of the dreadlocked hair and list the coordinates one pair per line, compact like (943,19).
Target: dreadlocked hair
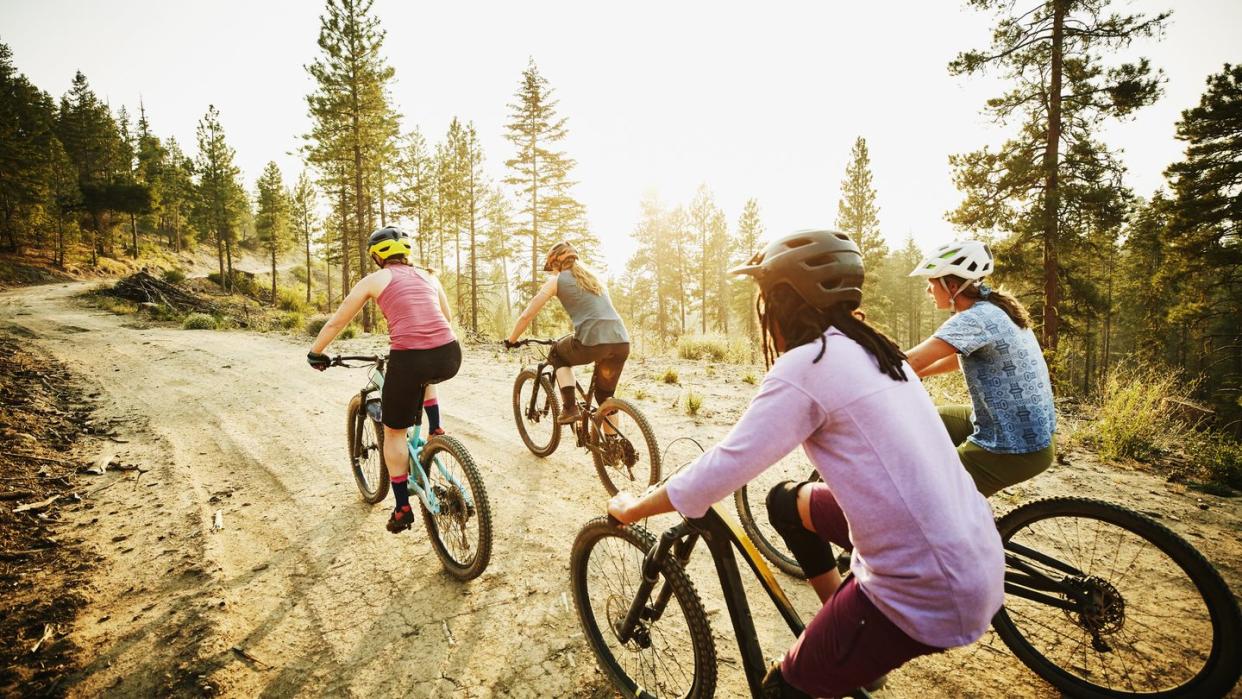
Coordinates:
(783,310)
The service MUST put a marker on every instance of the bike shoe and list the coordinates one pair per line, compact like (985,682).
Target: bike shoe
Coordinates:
(436,432)
(400,520)
(570,414)
(877,684)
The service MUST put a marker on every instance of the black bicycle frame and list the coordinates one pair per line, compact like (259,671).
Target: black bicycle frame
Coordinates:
(1026,581)
(722,536)
(541,370)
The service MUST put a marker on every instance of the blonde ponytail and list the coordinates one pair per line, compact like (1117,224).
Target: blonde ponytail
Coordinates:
(586,278)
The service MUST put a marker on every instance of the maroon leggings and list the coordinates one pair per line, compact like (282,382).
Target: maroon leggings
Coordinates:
(849,643)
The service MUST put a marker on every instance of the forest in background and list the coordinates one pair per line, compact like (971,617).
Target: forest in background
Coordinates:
(1114,278)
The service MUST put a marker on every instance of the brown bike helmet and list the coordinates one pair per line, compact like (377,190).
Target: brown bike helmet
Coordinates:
(823,267)
(557,256)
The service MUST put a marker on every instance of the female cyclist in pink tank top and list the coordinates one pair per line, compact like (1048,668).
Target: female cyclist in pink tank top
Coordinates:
(423,351)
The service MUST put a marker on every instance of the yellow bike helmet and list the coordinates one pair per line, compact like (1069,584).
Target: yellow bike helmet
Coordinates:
(389,241)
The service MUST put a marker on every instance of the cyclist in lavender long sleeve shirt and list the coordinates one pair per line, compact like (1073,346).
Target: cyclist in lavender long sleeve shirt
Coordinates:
(928,565)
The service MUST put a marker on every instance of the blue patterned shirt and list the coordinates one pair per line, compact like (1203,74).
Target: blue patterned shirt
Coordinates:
(1007,378)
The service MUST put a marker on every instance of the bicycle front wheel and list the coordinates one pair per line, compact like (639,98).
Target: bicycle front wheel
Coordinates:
(461,533)
(1148,616)
(605,570)
(536,424)
(366,452)
(627,456)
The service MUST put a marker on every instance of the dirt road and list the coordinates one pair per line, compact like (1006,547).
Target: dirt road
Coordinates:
(303,592)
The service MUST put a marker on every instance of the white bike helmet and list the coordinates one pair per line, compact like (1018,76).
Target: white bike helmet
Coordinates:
(969,259)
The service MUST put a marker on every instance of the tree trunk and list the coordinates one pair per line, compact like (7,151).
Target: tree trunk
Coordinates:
(133,227)
(474,265)
(1051,185)
(534,228)
(344,241)
(274,272)
(309,270)
(224,281)
(228,257)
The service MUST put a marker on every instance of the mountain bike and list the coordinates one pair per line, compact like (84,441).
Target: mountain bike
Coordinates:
(617,434)
(442,474)
(1100,602)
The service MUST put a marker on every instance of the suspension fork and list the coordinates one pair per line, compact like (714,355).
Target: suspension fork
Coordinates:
(534,391)
(652,562)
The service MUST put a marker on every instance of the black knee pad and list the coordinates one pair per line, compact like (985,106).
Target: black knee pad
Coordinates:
(811,552)
(776,687)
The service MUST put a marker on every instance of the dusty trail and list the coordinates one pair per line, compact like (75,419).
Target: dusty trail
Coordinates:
(303,592)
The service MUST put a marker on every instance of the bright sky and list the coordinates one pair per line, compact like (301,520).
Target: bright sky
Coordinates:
(756,100)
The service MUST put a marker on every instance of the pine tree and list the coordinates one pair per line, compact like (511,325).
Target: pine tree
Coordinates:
(353,125)
(706,221)
(541,173)
(151,158)
(1204,231)
(26,135)
(859,216)
(747,242)
(219,197)
(176,189)
(91,140)
(305,221)
(272,218)
(1053,54)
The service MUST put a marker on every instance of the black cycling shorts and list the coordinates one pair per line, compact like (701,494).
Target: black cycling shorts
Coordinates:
(406,378)
(609,362)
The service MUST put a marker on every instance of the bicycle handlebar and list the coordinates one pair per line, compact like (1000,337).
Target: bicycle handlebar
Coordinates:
(533,341)
(340,360)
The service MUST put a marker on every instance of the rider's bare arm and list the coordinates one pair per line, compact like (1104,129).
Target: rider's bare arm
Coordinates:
(629,508)
(933,356)
(547,291)
(363,290)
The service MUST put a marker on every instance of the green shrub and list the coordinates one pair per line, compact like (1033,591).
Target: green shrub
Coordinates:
(750,378)
(1132,419)
(291,299)
(349,333)
(640,394)
(292,320)
(174,276)
(315,324)
(694,402)
(713,347)
(1218,457)
(670,376)
(199,321)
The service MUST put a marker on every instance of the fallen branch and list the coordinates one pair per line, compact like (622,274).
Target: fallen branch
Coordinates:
(33,506)
(242,653)
(47,633)
(17,495)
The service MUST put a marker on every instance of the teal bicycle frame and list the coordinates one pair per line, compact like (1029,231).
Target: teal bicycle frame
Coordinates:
(414,442)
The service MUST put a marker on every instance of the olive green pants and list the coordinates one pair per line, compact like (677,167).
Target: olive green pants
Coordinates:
(992,471)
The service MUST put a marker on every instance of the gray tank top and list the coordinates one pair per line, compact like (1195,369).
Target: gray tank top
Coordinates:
(595,320)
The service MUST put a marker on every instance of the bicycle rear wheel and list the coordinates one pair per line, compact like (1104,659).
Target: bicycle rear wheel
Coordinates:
(366,452)
(630,458)
(461,534)
(605,570)
(537,427)
(750,502)
(1157,620)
